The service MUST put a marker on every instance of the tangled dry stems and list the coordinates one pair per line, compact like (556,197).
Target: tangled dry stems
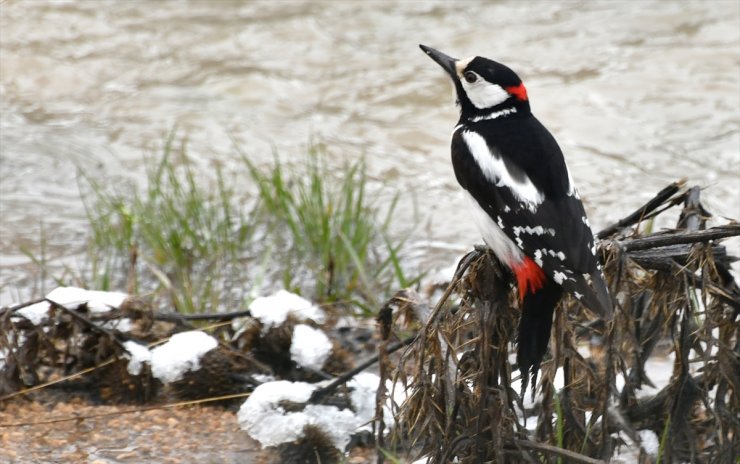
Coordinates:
(673,288)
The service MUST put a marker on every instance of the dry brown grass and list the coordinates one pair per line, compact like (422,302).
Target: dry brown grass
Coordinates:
(463,406)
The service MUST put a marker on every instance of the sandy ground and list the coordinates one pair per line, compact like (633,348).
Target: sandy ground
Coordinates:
(190,434)
(168,436)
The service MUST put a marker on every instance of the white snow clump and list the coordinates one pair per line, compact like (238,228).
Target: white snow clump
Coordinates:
(180,354)
(274,310)
(71,298)
(36,313)
(267,422)
(97,301)
(309,347)
(137,355)
(649,441)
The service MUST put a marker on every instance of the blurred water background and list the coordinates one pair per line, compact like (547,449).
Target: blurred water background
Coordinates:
(638,94)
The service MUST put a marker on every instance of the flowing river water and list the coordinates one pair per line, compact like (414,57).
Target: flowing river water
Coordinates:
(637,93)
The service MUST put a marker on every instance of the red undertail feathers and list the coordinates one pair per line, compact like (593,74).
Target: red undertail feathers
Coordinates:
(529,277)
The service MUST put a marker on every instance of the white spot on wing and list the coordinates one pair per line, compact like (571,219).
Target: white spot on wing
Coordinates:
(559,277)
(538,257)
(494,169)
(538,230)
(577,295)
(555,254)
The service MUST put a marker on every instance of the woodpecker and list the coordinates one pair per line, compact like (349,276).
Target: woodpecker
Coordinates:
(525,203)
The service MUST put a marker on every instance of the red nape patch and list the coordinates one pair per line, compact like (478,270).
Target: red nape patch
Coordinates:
(529,277)
(519,92)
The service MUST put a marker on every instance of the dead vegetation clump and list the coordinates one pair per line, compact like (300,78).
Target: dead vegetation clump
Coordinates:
(85,352)
(674,296)
(673,292)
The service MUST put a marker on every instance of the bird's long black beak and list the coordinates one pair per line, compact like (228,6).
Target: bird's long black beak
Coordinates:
(447,62)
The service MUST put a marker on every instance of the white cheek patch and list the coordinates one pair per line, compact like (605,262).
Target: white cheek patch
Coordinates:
(494,169)
(483,94)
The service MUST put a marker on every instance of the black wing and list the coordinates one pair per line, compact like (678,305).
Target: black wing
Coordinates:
(555,232)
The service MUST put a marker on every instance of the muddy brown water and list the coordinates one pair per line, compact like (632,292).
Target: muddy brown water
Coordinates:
(637,93)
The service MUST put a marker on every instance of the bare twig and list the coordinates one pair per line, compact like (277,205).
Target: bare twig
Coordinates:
(676,238)
(555,451)
(640,214)
(322,392)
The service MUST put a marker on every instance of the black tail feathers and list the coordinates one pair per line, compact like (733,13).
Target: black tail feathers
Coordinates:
(534,330)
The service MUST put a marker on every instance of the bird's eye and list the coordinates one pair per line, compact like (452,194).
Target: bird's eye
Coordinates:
(470,76)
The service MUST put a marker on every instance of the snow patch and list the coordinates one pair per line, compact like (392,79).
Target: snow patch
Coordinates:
(266,420)
(180,354)
(263,417)
(309,347)
(137,355)
(274,310)
(97,301)
(36,313)
(649,441)
(365,387)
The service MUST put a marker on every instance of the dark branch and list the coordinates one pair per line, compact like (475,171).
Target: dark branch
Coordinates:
(20,306)
(344,378)
(640,214)
(677,238)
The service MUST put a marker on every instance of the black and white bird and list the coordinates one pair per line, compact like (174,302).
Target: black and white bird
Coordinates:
(526,205)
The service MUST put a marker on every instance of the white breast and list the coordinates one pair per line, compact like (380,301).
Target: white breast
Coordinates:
(494,236)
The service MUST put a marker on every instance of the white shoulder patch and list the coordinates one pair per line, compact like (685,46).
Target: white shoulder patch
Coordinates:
(494,169)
